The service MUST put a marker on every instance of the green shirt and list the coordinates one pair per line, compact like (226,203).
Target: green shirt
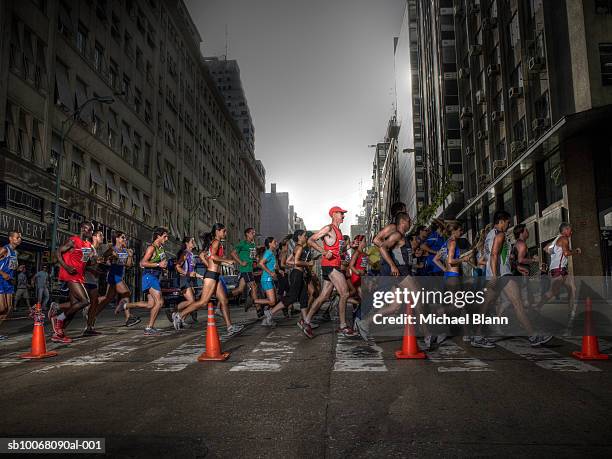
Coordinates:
(247,251)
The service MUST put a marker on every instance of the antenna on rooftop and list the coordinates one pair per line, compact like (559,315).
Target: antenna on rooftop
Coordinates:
(226,41)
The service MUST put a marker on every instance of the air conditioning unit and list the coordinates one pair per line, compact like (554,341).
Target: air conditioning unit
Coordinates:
(469,152)
(492,70)
(464,73)
(475,50)
(464,124)
(480,97)
(515,92)
(466,112)
(482,135)
(489,23)
(497,116)
(539,123)
(500,164)
(536,64)
(517,146)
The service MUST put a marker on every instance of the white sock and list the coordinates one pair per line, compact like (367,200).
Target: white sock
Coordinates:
(343,325)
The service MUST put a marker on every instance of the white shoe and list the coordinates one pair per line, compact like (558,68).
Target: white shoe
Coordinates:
(177,321)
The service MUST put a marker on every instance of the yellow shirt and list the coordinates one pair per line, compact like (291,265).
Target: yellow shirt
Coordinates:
(373,257)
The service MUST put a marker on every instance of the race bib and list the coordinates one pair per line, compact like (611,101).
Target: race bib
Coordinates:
(86,254)
(364,262)
(122,258)
(253,253)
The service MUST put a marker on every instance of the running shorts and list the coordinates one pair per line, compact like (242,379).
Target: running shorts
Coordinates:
(149,281)
(6,287)
(248,277)
(327,270)
(186,283)
(558,272)
(113,279)
(355,280)
(267,284)
(211,275)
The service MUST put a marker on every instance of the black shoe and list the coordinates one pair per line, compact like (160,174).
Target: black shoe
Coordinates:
(260,313)
(194,316)
(132,321)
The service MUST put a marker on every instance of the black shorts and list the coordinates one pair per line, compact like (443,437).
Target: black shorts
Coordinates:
(297,291)
(211,275)
(327,270)
(247,276)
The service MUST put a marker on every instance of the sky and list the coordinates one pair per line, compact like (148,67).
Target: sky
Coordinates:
(318,77)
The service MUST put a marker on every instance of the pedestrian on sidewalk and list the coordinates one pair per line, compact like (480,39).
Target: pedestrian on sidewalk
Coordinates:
(21,291)
(40,282)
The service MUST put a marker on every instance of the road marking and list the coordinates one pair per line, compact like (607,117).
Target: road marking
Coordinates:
(544,357)
(356,355)
(604,346)
(269,355)
(454,358)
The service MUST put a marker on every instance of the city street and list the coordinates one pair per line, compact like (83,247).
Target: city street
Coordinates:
(283,395)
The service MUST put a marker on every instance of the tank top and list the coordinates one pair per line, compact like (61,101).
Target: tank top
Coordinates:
(77,257)
(91,277)
(335,261)
(362,261)
(444,251)
(9,263)
(557,259)
(188,264)
(504,267)
(159,255)
(117,267)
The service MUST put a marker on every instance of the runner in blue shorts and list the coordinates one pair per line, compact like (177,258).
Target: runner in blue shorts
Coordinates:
(268,264)
(120,257)
(8,265)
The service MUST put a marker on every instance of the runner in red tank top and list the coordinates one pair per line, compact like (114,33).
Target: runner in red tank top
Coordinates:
(72,257)
(330,267)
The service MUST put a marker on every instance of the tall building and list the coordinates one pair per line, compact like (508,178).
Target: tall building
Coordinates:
(517,98)
(166,152)
(275,220)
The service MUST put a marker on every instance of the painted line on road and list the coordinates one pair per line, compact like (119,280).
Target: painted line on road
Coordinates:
(270,354)
(544,357)
(356,355)
(453,358)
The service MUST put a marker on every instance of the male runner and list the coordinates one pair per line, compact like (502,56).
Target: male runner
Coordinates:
(559,250)
(92,275)
(332,276)
(8,266)
(72,258)
(245,254)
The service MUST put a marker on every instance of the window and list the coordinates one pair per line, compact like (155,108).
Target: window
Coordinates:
(137,149)
(112,74)
(147,159)
(98,56)
(605,58)
(603,6)
(81,39)
(514,31)
(553,179)
(519,129)
(125,85)
(138,59)
(137,100)
(18,199)
(541,106)
(75,175)
(528,196)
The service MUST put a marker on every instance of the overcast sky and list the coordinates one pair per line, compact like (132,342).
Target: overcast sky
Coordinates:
(318,77)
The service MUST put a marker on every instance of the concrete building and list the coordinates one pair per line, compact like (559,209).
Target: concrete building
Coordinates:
(275,220)
(360,227)
(166,152)
(520,93)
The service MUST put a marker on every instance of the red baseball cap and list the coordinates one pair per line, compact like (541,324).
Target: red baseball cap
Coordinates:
(336,209)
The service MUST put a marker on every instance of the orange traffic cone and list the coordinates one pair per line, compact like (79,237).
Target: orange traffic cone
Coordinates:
(410,347)
(213,344)
(590,345)
(39,347)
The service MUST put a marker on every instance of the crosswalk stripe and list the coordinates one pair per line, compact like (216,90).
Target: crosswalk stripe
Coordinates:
(545,357)
(356,355)
(269,355)
(453,358)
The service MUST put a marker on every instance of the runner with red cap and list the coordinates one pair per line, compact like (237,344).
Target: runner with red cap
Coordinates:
(331,262)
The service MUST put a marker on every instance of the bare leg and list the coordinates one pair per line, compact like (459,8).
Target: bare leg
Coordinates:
(209,287)
(223,304)
(6,306)
(189,298)
(323,296)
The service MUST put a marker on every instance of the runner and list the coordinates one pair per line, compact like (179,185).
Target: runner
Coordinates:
(283,250)
(559,250)
(8,265)
(387,231)
(522,264)
(213,255)
(499,276)
(448,258)
(298,290)
(358,266)
(432,244)
(268,264)
(185,267)
(72,257)
(120,257)
(245,254)
(92,276)
(396,250)
(330,267)
(153,262)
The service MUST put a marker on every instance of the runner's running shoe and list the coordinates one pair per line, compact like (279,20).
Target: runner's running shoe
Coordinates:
(481,341)
(56,338)
(150,331)
(90,332)
(347,331)
(133,320)
(234,330)
(538,340)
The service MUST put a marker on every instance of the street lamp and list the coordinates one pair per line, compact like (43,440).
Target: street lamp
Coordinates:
(66,127)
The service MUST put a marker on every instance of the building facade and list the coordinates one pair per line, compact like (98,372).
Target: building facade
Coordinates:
(166,152)
(275,219)
(516,98)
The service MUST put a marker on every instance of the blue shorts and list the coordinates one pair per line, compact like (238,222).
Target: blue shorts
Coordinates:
(6,288)
(451,274)
(267,284)
(114,279)
(223,284)
(150,281)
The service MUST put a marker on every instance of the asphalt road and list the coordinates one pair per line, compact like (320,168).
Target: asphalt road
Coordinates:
(283,395)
